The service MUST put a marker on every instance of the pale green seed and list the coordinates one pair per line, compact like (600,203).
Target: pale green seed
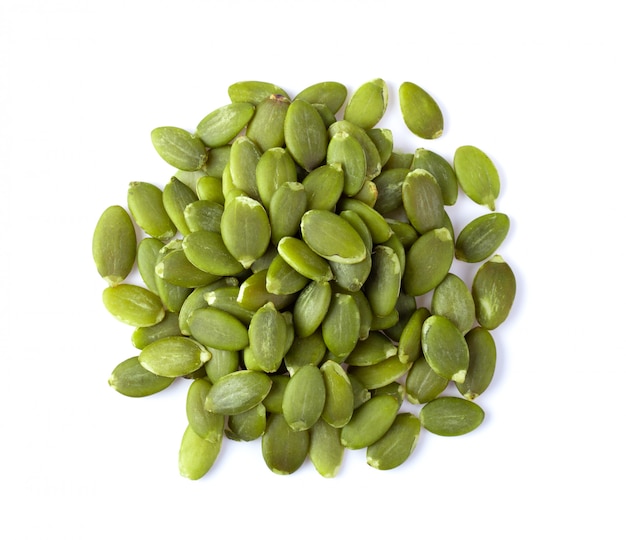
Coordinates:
(244,158)
(197,300)
(346,151)
(273,402)
(341,325)
(253,91)
(175,268)
(399,160)
(133,305)
(453,299)
(368,104)
(383,285)
(481,237)
(372,157)
(114,245)
(147,257)
(131,379)
(176,197)
(145,335)
(304,398)
(477,176)
(324,186)
(196,455)
(179,148)
(222,363)
(403,231)
(253,293)
(145,202)
(207,252)
(422,383)
(172,296)
(305,351)
(209,188)
(339,403)
(493,290)
(311,307)
(376,223)
(245,229)
(482,363)
(383,140)
(394,389)
(268,336)
(369,422)
(225,298)
(284,450)
(451,416)
(422,201)
(380,374)
(365,313)
(286,209)
(275,167)
(397,445)
(369,351)
(304,259)
(325,113)
(410,341)
(420,111)
(216,163)
(325,449)
(389,186)
(173,356)
(282,278)
(190,178)
(207,425)
(222,125)
(405,308)
(444,348)
(330,93)
(203,215)
(428,261)
(248,425)
(332,237)
(216,328)
(352,276)
(441,170)
(266,128)
(237,392)
(305,135)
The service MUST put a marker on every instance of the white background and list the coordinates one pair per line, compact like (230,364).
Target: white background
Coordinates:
(538,85)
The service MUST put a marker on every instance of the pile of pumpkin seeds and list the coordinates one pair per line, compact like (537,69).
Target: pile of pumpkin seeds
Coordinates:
(286,267)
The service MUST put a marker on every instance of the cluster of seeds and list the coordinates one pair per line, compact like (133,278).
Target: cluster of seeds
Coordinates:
(284,264)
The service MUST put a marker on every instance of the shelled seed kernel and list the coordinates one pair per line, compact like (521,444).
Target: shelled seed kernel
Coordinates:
(285,268)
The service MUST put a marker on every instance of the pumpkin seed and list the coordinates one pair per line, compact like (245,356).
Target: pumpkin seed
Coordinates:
(253,91)
(453,299)
(339,402)
(481,237)
(145,202)
(179,148)
(428,261)
(176,197)
(305,135)
(237,392)
(368,104)
(420,111)
(325,449)
(133,305)
(284,450)
(477,175)
(268,336)
(197,455)
(441,170)
(369,422)
(266,128)
(248,425)
(346,151)
(493,289)
(330,93)
(423,201)
(397,445)
(168,326)
(222,125)
(207,425)
(304,397)
(173,356)
(451,416)
(482,363)
(444,348)
(131,379)
(216,328)
(423,384)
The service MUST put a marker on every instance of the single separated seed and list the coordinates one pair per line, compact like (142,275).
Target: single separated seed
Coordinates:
(397,445)
(477,175)
(133,305)
(237,392)
(493,289)
(420,111)
(131,379)
(179,148)
(451,416)
(444,348)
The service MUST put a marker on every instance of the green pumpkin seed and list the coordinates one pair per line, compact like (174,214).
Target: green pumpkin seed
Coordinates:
(332,237)
(253,293)
(216,163)
(325,449)
(284,450)
(341,325)
(145,202)
(481,237)
(305,351)
(389,185)
(253,91)
(245,229)
(346,151)
(493,289)
(482,363)
(284,279)
(444,348)
(266,128)
(423,201)
(428,261)
(405,307)
(268,336)
(410,341)
(368,104)
(209,188)
(422,383)
(175,268)
(441,170)
(397,445)
(203,215)
(394,389)
(133,305)
(286,209)
(225,298)
(173,356)
(197,455)
(207,425)
(222,125)
(273,402)
(399,160)
(114,245)
(207,252)
(216,328)
(451,416)
(360,394)
(172,296)
(305,135)
(179,148)
(275,167)
(304,398)
(369,422)
(324,186)
(131,379)
(244,158)
(372,157)
(380,374)
(248,425)
(453,299)
(383,285)
(477,176)
(383,140)
(376,223)
(147,257)
(369,351)
(145,335)
(403,231)
(311,307)
(176,197)
(297,254)
(352,277)
(222,363)
(420,111)
(330,93)
(339,403)
(237,392)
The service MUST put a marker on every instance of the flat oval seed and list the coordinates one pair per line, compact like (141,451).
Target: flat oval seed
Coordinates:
(383,140)
(244,158)
(341,325)
(266,128)
(330,93)
(380,374)
(253,293)
(422,383)
(324,186)
(441,170)
(114,245)
(179,148)
(131,379)
(339,403)
(383,284)
(481,237)
(297,254)
(428,262)
(420,111)
(268,337)
(145,335)
(284,450)
(368,104)
(423,201)
(286,209)
(196,455)
(245,229)
(493,290)
(444,348)
(305,351)
(369,351)
(237,392)
(133,305)
(311,307)
(249,425)
(207,252)
(332,237)
(451,416)
(389,186)
(145,202)
(477,175)
(283,278)
(352,276)
(147,257)
(216,328)
(346,151)
(275,167)
(305,135)
(197,300)
(325,450)
(209,426)
(369,422)
(209,188)
(175,268)
(410,342)
(203,215)
(222,125)
(397,445)
(174,356)
(176,197)
(374,163)
(253,91)
(453,299)
(376,223)
(482,364)
(304,398)
(273,402)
